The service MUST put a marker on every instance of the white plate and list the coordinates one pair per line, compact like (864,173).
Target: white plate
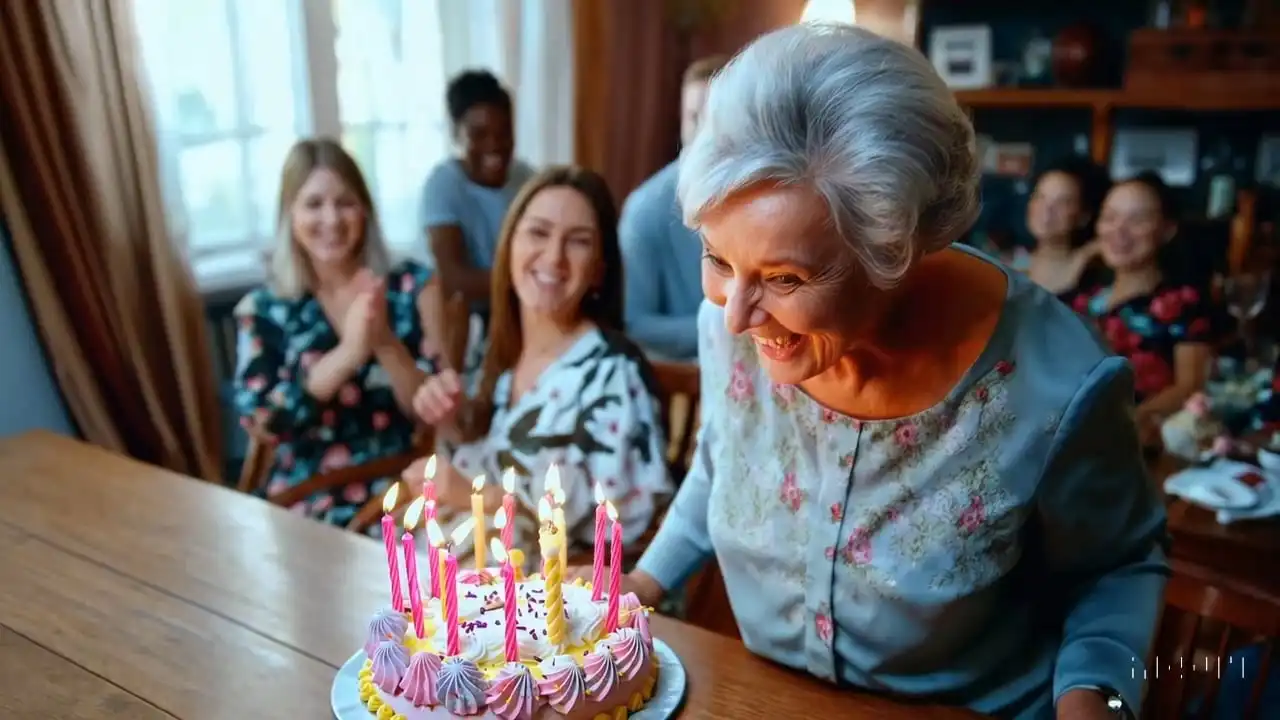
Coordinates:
(1215,487)
(668,693)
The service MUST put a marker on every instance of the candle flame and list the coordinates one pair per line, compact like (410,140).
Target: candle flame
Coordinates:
(465,528)
(477,485)
(509,480)
(552,483)
(389,500)
(434,535)
(500,518)
(429,472)
(598,491)
(495,548)
(544,510)
(413,514)
(611,511)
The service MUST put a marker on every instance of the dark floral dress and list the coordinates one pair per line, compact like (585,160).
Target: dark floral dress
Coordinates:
(1147,328)
(278,340)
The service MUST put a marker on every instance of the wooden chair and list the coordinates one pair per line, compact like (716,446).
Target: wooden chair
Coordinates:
(680,389)
(1206,617)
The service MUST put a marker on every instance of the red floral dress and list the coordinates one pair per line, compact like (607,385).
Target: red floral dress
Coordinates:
(1147,328)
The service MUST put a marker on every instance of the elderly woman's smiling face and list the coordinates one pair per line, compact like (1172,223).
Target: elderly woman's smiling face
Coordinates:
(776,265)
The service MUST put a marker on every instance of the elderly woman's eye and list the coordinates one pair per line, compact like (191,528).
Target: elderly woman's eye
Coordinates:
(716,262)
(786,281)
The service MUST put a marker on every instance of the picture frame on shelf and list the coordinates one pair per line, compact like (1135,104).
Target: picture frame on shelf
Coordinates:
(962,55)
(1169,152)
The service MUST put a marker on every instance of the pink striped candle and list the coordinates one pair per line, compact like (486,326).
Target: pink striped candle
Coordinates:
(429,484)
(451,603)
(411,517)
(510,646)
(615,571)
(389,539)
(597,567)
(508,508)
(435,539)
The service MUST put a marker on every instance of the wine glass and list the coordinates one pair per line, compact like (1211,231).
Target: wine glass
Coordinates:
(1246,295)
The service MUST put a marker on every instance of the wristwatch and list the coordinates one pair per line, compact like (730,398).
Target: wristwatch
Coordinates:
(1115,703)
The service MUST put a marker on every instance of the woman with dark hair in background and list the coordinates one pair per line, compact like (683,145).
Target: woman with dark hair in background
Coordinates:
(466,197)
(1163,326)
(1060,217)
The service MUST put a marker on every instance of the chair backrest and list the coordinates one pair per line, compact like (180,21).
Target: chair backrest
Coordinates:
(681,397)
(1206,618)
(457,318)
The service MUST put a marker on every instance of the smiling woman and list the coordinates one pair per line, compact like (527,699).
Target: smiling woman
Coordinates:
(919,473)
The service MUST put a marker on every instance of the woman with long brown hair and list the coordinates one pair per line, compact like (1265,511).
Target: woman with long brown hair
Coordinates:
(332,348)
(560,384)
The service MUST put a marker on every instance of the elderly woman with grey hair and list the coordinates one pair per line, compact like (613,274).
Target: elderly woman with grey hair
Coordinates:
(919,472)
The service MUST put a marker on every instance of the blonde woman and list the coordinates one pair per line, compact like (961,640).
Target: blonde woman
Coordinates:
(332,348)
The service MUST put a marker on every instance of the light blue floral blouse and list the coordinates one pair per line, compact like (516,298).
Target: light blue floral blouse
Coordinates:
(993,551)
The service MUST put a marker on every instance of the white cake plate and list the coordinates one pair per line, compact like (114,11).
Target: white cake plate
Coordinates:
(668,693)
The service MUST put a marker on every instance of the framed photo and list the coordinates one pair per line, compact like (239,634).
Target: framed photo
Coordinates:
(1268,165)
(1171,153)
(962,55)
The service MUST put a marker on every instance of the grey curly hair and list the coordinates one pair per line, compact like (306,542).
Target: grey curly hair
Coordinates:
(863,120)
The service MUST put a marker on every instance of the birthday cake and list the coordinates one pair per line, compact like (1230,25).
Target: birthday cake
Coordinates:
(594,671)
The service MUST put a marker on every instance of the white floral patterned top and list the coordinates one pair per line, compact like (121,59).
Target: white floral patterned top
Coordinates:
(992,551)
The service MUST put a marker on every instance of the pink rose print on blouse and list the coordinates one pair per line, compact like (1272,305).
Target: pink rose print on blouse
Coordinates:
(906,434)
(785,393)
(846,460)
(355,493)
(857,549)
(830,417)
(1118,335)
(823,626)
(1167,306)
(790,493)
(349,395)
(381,420)
(328,418)
(837,512)
(973,517)
(337,456)
(322,504)
(1004,367)
(982,393)
(406,284)
(892,514)
(741,388)
(257,383)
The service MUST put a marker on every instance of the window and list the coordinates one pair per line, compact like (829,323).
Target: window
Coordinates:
(236,82)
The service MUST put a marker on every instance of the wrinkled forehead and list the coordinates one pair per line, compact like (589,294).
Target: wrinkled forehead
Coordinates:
(778,224)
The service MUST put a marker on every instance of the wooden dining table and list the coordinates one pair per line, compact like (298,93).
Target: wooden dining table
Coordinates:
(128,591)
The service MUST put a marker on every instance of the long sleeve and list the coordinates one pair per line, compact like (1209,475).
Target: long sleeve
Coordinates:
(642,232)
(683,543)
(622,449)
(1104,528)
(269,392)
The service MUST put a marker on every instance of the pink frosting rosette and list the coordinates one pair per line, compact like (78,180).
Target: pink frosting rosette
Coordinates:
(629,651)
(386,624)
(513,694)
(419,681)
(390,661)
(563,683)
(461,686)
(601,673)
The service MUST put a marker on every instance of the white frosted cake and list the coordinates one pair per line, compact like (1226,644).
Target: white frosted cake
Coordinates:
(591,674)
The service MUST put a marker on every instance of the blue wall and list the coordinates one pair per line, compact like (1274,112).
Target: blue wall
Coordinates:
(29,398)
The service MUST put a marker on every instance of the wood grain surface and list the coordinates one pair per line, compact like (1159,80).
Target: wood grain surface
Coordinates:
(132,592)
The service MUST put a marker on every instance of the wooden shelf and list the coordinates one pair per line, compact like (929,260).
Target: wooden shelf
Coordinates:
(1106,99)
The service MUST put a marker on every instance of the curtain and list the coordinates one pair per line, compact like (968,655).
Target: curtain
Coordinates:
(529,44)
(80,189)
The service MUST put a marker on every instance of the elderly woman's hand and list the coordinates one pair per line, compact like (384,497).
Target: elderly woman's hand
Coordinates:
(646,588)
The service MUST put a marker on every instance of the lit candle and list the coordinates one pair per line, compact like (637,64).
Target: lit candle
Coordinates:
(553,575)
(597,565)
(477,514)
(509,507)
(435,539)
(451,587)
(556,491)
(615,571)
(389,539)
(510,646)
(429,482)
(411,517)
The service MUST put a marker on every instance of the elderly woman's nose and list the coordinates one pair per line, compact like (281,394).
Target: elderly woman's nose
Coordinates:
(741,312)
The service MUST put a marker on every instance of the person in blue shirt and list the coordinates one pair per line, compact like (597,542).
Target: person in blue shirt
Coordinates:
(662,256)
(466,197)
